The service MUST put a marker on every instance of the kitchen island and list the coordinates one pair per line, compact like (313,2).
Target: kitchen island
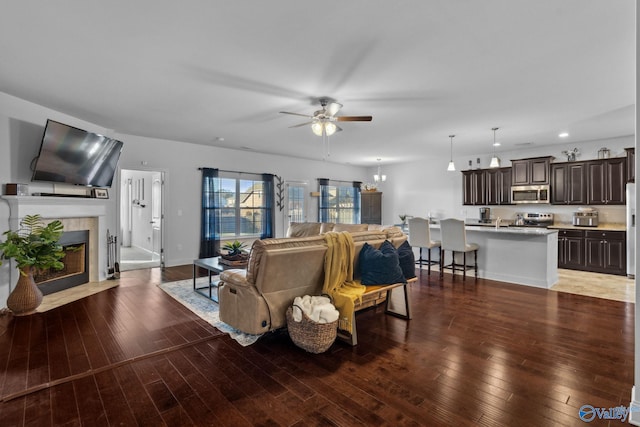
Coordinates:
(521,255)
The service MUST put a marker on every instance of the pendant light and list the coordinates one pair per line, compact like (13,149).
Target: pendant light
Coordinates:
(495,161)
(452,166)
(379,177)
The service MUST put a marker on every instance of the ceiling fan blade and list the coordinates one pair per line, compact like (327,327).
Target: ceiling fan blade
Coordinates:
(296,114)
(300,125)
(333,108)
(354,118)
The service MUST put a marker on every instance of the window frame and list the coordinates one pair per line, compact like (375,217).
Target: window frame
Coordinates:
(343,189)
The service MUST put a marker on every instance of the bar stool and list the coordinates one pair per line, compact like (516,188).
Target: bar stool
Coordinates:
(420,237)
(454,239)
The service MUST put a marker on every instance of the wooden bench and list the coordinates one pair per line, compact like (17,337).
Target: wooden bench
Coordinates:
(396,304)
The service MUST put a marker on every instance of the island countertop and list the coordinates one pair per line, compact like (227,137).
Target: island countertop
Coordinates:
(520,255)
(536,231)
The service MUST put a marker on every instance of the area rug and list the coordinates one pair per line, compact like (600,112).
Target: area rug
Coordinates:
(208,310)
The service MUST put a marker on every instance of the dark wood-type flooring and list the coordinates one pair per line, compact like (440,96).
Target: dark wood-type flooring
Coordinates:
(475,353)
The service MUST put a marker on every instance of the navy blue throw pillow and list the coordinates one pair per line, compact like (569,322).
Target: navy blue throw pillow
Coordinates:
(407,260)
(380,267)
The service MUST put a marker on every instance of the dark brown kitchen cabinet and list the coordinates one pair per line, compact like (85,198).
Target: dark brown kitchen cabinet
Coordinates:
(498,186)
(534,171)
(569,183)
(607,181)
(593,250)
(371,207)
(571,249)
(631,164)
(473,187)
(605,252)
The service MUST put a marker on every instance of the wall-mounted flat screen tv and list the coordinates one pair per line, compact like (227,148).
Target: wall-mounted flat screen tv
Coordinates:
(74,156)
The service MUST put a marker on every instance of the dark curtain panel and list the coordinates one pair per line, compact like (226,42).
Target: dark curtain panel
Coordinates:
(356,202)
(323,205)
(269,196)
(209,236)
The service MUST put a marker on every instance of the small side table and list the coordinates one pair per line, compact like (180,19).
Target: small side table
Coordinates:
(213,266)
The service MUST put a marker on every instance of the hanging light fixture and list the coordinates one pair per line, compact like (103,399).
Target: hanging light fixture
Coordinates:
(452,166)
(379,177)
(495,161)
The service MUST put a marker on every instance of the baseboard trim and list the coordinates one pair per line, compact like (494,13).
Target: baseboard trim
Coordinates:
(634,415)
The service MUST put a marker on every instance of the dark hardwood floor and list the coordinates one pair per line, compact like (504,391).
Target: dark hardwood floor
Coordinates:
(475,353)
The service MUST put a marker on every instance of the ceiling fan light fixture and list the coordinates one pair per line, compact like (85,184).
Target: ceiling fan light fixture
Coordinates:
(330,128)
(452,166)
(316,128)
(323,127)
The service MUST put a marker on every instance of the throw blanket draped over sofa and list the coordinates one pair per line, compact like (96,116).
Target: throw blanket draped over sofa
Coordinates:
(338,277)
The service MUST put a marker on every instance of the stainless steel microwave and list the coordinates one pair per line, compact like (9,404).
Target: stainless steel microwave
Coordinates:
(530,194)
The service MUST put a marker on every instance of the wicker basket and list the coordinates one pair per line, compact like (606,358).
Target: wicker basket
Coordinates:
(309,335)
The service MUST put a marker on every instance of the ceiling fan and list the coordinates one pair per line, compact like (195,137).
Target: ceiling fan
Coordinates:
(322,121)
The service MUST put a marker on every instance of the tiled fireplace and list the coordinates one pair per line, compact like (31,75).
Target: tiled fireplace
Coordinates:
(83,219)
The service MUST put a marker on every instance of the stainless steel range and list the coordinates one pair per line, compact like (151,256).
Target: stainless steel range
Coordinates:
(533,219)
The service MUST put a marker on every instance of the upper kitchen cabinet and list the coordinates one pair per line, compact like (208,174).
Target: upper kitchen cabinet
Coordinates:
(534,171)
(569,183)
(498,184)
(473,187)
(631,164)
(486,186)
(607,181)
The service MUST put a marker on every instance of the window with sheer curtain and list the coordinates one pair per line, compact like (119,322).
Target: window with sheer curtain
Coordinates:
(339,201)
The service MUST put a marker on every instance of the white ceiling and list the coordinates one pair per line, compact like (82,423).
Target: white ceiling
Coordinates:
(197,70)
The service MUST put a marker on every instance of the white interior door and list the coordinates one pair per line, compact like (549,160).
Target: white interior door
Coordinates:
(141,219)
(157,217)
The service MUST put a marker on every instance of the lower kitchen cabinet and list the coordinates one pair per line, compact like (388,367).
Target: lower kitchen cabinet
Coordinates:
(606,252)
(593,250)
(571,249)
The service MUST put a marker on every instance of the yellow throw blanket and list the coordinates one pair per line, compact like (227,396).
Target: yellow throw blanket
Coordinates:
(338,277)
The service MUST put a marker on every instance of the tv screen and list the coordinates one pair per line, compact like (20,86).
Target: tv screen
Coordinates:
(75,156)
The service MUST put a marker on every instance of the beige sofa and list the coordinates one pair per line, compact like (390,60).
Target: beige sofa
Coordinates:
(255,300)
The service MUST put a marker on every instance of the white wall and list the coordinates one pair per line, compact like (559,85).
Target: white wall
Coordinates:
(415,188)
(180,162)
(423,187)
(21,127)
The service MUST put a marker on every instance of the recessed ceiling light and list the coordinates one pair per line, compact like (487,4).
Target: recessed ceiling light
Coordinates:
(496,144)
(563,135)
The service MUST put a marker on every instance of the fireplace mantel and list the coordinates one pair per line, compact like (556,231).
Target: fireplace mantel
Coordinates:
(62,208)
(54,207)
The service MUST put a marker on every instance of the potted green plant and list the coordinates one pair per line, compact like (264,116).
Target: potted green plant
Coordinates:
(235,253)
(34,246)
